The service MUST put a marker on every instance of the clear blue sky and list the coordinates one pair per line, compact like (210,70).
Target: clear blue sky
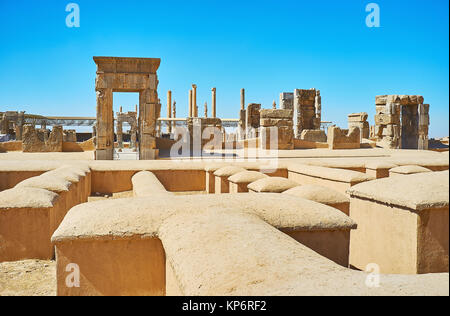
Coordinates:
(264,46)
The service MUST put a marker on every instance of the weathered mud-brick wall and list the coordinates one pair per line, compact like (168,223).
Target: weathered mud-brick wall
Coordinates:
(307,110)
(205,131)
(287,101)
(32,142)
(252,120)
(341,139)
(398,123)
(277,123)
(360,120)
(70,136)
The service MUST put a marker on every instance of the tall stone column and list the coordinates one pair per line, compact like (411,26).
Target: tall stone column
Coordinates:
(194,100)
(105,125)
(242,99)
(214,99)
(190,104)
(169,111)
(206,110)
(174,109)
(318,107)
(20,124)
(149,110)
(119,132)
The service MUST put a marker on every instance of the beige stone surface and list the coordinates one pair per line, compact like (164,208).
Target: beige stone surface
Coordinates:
(379,164)
(247,177)
(410,169)
(272,185)
(265,262)
(318,194)
(142,216)
(228,171)
(417,192)
(340,175)
(27,197)
(145,183)
(48,182)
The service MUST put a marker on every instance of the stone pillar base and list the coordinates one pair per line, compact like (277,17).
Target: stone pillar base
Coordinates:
(104,154)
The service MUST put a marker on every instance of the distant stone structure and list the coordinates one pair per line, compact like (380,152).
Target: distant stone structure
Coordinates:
(360,120)
(402,121)
(12,122)
(115,74)
(70,136)
(311,135)
(34,141)
(279,121)
(287,101)
(197,126)
(132,120)
(344,139)
(252,120)
(307,110)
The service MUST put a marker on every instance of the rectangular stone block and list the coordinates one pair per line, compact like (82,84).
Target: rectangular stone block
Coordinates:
(276,114)
(385,119)
(267,122)
(381,99)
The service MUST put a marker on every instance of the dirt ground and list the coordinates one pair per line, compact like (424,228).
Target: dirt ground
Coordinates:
(28,278)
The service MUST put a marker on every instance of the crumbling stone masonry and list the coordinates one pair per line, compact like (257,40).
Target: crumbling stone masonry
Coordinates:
(12,120)
(307,110)
(341,139)
(33,143)
(287,101)
(402,121)
(252,120)
(138,75)
(311,135)
(360,120)
(280,122)
(70,136)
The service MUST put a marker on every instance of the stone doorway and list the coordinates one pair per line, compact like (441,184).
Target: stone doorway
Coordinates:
(120,74)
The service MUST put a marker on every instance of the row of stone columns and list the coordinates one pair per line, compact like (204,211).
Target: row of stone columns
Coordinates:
(193,107)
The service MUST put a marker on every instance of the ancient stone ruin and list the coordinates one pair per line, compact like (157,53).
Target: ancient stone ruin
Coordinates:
(316,218)
(402,121)
(359,120)
(131,119)
(277,123)
(34,141)
(307,110)
(137,75)
(12,123)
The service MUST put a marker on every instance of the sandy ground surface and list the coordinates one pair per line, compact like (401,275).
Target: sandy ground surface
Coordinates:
(28,278)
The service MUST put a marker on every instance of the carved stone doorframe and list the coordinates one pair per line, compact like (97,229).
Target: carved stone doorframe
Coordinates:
(120,74)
